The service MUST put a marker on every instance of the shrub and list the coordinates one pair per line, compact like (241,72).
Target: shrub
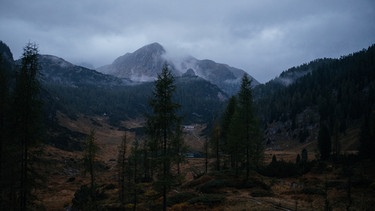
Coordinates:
(213,185)
(280,169)
(313,191)
(254,183)
(261,193)
(180,198)
(208,199)
(196,182)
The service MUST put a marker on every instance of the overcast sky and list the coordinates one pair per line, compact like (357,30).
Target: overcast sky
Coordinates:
(262,37)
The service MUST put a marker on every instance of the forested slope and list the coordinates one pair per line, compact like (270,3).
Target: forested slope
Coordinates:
(341,91)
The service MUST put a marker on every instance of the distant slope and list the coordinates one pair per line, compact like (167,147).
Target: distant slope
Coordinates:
(224,76)
(55,70)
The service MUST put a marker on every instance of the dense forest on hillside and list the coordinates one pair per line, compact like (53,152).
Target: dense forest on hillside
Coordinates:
(341,91)
(127,102)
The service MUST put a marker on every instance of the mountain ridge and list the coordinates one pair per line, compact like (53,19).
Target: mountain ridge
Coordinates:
(145,63)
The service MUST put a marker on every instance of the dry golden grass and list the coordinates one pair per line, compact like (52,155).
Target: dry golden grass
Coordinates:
(62,165)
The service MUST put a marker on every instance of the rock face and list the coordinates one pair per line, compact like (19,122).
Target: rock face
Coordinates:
(141,66)
(145,63)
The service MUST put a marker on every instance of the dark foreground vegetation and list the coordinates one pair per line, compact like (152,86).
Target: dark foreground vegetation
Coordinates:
(151,171)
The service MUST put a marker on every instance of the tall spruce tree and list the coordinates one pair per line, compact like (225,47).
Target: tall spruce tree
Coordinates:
(216,144)
(245,108)
(90,155)
(134,172)
(163,127)
(367,137)
(122,165)
(244,140)
(27,118)
(4,105)
(225,124)
(324,142)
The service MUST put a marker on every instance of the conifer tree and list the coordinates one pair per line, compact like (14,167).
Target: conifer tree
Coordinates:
(304,156)
(3,109)
(367,137)
(245,141)
(225,129)
(27,118)
(134,171)
(122,164)
(324,142)
(89,158)
(216,144)
(4,130)
(163,126)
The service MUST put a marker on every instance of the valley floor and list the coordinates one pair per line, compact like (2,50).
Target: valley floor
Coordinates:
(324,186)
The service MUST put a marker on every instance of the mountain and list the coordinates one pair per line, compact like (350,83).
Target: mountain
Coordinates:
(77,90)
(58,71)
(145,63)
(142,65)
(224,76)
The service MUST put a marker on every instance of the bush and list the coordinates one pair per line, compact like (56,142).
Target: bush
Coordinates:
(213,185)
(313,191)
(208,199)
(254,183)
(180,198)
(261,193)
(196,182)
(82,198)
(280,169)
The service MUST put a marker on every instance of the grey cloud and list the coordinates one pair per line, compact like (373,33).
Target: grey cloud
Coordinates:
(262,37)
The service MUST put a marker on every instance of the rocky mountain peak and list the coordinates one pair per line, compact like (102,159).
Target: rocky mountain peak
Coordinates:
(154,48)
(145,63)
(142,65)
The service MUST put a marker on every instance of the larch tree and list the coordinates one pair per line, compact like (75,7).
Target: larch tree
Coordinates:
(324,142)
(89,158)
(244,139)
(122,165)
(225,125)
(4,135)
(27,118)
(245,109)
(216,144)
(3,109)
(163,127)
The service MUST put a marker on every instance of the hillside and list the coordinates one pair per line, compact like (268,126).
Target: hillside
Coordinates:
(336,92)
